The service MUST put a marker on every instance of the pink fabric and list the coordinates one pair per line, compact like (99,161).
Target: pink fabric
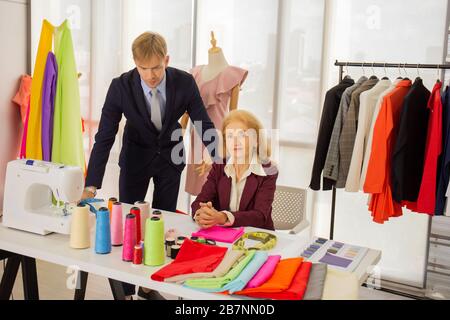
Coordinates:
(264,273)
(23,146)
(221,234)
(216,94)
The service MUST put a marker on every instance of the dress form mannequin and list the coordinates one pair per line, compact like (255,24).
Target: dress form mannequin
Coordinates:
(216,64)
(219,85)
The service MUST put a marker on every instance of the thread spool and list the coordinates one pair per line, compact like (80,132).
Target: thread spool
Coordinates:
(116,224)
(144,206)
(137,212)
(169,243)
(174,251)
(137,254)
(129,239)
(79,230)
(201,240)
(102,232)
(154,242)
(111,201)
(157,213)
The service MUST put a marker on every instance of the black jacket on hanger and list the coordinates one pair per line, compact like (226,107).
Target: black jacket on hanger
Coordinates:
(409,152)
(330,109)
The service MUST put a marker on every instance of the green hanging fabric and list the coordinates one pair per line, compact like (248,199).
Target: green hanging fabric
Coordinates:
(67,147)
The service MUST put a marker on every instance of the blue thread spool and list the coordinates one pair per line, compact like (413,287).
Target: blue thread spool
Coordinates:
(102,232)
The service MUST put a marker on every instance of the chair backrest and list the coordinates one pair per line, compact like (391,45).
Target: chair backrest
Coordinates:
(289,207)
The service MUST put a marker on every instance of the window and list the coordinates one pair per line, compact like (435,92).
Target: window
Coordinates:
(247,33)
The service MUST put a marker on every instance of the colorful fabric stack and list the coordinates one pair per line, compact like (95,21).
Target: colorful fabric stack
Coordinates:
(53,127)
(249,273)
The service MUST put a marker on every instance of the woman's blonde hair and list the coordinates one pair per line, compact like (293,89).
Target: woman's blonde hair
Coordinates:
(149,44)
(251,122)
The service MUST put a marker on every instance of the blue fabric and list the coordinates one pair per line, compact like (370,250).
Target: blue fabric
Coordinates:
(444,164)
(247,274)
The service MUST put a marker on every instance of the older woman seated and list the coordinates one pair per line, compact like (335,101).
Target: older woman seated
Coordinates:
(240,191)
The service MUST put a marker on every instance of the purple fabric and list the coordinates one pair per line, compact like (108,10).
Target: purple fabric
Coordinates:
(335,260)
(48,105)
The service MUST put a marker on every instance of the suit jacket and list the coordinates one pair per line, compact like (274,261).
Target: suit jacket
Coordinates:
(330,110)
(348,134)
(409,153)
(331,168)
(444,170)
(255,208)
(141,140)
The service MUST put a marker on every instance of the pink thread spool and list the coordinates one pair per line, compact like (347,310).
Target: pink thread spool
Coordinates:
(116,224)
(129,240)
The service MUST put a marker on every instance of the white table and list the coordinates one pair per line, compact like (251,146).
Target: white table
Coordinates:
(54,248)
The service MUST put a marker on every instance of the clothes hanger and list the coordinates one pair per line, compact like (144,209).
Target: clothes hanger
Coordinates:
(438,74)
(418,73)
(347,75)
(373,77)
(406,72)
(385,73)
(399,72)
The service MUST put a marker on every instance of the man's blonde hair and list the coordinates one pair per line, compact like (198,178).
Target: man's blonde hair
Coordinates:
(251,122)
(148,45)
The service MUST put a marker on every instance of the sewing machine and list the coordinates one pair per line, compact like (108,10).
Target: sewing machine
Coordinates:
(40,196)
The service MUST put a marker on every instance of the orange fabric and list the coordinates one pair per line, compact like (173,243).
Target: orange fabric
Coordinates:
(378,178)
(22,97)
(280,280)
(296,290)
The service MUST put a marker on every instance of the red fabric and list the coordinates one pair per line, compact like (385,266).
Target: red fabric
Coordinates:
(296,290)
(192,257)
(378,178)
(426,200)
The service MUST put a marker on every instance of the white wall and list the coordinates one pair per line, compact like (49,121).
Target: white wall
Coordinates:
(13,63)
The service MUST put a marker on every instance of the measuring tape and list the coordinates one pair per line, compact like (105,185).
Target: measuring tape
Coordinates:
(266,240)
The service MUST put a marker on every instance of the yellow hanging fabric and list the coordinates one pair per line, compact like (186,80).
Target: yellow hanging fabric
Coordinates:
(34,141)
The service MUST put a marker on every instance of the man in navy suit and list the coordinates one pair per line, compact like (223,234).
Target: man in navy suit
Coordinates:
(152,97)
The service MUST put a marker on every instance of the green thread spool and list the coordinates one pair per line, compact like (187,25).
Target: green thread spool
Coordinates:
(154,253)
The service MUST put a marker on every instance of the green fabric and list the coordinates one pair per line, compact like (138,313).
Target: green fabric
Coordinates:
(67,147)
(213,283)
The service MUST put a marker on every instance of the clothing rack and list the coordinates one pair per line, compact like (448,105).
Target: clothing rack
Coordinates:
(341,65)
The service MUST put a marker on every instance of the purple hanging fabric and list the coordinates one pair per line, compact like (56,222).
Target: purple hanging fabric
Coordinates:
(48,105)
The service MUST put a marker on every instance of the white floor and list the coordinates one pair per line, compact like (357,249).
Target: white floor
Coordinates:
(53,281)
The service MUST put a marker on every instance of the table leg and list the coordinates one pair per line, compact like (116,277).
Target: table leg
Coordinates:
(117,289)
(9,277)
(80,291)
(30,282)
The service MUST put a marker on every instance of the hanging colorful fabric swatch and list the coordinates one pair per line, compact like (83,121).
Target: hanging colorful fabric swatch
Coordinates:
(33,140)
(48,105)
(67,147)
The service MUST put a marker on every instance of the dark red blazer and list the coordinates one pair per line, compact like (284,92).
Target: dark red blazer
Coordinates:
(255,208)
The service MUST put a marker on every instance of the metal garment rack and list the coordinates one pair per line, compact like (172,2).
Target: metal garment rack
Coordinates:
(341,65)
